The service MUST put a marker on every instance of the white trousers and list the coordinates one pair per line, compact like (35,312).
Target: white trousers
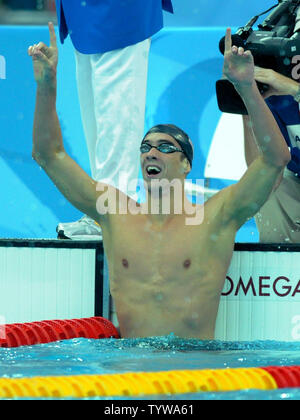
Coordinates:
(112,94)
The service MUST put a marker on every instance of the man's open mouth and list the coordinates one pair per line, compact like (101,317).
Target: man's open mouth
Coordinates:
(153,170)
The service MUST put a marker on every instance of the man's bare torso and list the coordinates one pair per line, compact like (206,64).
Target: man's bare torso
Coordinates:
(168,278)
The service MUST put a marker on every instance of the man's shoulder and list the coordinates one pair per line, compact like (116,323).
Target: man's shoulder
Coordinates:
(214,205)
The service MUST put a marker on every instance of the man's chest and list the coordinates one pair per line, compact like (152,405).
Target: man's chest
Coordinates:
(141,248)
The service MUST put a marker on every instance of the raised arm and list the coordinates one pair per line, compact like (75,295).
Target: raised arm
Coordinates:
(279,85)
(48,148)
(244,199)
(251,148)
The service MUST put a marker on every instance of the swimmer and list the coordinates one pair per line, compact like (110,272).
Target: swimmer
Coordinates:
(166,276)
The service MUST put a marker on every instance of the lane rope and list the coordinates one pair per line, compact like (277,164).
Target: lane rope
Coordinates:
(151,383)
(32,333)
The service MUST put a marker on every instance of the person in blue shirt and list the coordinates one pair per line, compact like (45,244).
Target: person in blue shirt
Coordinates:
(112,42)
(278,221)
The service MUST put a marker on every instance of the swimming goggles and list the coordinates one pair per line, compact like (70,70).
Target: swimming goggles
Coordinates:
(163,148)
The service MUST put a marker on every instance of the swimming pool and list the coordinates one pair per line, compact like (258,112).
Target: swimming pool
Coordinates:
(109,356)
(261,303)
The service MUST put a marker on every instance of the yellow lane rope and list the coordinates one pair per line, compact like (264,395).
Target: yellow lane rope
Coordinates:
(138,384)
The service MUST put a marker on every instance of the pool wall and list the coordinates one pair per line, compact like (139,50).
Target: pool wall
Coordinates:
(43,279)
(261,297)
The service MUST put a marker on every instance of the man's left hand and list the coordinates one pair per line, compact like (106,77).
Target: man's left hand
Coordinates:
(238,64)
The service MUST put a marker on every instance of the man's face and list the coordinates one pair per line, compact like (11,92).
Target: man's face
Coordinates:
(158,165)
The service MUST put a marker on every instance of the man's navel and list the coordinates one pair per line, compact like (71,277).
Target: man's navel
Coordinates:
(187,263)
(125,263)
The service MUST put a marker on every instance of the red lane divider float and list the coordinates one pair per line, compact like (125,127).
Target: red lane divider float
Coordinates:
(28,334)
(285,376)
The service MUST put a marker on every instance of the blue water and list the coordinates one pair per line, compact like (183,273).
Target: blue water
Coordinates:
(82,356)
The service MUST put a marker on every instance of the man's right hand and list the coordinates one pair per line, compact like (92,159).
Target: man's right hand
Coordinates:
(279,84)
(45,59)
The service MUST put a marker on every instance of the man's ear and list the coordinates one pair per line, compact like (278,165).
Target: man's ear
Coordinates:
(187,166)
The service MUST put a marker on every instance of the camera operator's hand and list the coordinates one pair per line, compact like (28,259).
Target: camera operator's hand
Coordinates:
(45,59)
(238,64)
(279,84)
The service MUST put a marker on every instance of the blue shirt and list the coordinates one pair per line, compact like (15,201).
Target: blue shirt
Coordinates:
(286,112)
(98,26)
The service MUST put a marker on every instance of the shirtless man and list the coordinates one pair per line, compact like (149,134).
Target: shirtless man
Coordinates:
(166,275)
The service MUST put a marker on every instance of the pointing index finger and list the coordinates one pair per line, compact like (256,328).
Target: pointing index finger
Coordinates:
(53,42)
(228,40)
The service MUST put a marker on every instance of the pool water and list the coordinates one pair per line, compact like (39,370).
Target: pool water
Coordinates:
(88,357)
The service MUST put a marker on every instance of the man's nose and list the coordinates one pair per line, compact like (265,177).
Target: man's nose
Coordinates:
(152,154)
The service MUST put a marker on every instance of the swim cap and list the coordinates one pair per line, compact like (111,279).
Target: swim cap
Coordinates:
(179,135)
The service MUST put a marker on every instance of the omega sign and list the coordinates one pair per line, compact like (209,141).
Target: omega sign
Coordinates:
(263,286)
